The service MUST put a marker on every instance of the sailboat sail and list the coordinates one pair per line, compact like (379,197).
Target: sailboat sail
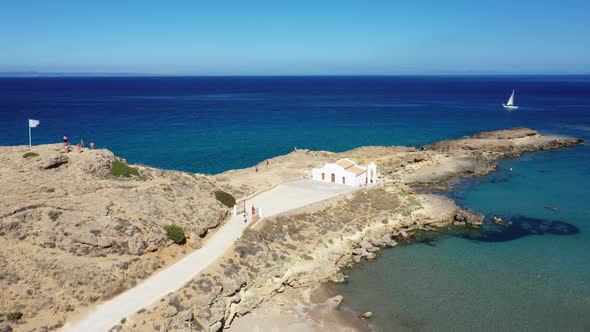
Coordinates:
(511,100)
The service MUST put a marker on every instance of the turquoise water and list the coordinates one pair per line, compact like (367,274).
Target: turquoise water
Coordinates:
(212,124)
(509,282)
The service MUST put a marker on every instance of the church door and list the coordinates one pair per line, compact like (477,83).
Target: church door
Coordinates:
(333,178)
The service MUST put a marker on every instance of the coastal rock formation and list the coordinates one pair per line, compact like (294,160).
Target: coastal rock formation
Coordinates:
(71,229)
(302,249)
(307,247)
(505,143)
(477,154)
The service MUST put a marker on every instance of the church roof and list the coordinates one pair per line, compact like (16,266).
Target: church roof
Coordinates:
(356,169)
(345,163)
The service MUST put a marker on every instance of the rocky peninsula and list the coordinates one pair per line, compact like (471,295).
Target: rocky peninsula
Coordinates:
(73,234)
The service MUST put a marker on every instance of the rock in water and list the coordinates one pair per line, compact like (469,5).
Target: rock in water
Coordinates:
(367,315)
(335,301)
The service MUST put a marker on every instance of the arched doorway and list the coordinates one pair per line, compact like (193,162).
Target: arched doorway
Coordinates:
(343,180)
(333,178)
(323,176)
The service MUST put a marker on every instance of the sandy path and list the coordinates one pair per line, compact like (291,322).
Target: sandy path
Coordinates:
(282,198)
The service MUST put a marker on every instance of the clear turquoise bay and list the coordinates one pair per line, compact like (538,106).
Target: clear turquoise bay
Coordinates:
(213,124)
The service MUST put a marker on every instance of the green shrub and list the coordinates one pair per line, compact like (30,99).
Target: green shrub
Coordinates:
(175,233)
(14,315)
(120,168)
(30,154)
(123,320)
(226,198)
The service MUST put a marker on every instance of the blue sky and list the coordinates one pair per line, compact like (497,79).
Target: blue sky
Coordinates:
(296,37)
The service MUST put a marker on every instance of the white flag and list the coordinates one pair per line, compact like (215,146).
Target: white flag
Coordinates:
(33,123)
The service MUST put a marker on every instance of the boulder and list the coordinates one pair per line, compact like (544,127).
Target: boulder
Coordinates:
(215,327)
(99,164)
(136,245)
(334,302)
(53,161)
(195,242)
(367,315)
(169,311)
(468,218)
(390,242)
(104,242)
(367,245)
(338,278)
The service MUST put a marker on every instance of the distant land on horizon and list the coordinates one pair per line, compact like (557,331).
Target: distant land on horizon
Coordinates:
(70,74)
(32,74)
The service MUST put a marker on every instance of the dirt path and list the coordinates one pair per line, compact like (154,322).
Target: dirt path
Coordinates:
(284,197)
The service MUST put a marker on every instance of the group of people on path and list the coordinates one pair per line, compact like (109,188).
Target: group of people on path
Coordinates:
(256,212)
(79,146)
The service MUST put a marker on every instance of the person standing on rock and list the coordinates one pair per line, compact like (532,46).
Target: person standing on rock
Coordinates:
(65,140)
(82,141)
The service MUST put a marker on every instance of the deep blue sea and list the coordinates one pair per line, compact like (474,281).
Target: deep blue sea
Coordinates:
(532,276)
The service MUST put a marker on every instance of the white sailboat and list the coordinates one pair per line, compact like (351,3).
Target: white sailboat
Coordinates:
(510,104)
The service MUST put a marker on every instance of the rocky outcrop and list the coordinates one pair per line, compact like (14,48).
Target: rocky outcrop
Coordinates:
(505,143)
(473,156)
(69,227)
(306,248)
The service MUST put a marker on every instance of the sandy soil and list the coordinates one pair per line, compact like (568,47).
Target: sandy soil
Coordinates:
(68,228)
(282,198)
(297,310)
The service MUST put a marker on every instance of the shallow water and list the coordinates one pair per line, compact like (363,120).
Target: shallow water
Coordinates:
(526,277)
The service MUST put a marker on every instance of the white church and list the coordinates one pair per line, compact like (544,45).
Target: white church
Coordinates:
(347,172)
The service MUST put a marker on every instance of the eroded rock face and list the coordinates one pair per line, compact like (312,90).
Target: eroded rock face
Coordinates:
(303,249)
(64,217)
(506,134)
(504,143)
(70,229)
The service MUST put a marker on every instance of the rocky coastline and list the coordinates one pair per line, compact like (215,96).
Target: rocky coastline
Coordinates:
(295,251)
(311,246)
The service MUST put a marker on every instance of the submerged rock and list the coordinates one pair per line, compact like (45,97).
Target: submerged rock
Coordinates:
(335,301)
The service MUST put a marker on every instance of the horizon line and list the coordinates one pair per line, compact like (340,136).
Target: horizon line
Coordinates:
(16,74)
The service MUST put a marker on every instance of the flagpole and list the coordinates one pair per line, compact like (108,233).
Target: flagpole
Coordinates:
(30,146)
